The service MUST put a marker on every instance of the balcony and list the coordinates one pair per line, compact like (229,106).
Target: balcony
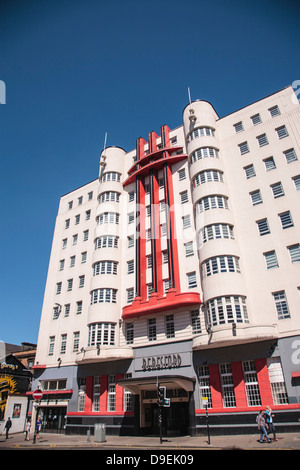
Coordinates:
(95,354)
(232,334)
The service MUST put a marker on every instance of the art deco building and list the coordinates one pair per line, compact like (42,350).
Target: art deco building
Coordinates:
(180,265)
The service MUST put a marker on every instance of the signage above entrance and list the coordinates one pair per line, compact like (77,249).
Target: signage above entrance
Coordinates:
(167,361)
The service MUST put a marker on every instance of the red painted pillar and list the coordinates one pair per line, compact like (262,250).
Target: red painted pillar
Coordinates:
(119,394)
(103,393)
(239,385)
(264,382)
(215,385)
(88,405)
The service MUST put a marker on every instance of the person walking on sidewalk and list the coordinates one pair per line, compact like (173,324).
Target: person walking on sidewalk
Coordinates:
(27,430)
(7,427)
(270,422)
(261,422)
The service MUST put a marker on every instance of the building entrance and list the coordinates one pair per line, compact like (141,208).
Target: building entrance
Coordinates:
(175,420)
(53,418)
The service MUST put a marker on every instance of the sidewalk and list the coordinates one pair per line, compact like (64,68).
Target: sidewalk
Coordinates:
(288,441)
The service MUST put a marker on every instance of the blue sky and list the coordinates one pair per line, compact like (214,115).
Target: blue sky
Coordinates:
(75,69)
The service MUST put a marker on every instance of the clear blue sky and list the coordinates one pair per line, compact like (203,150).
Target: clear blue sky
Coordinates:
(75,69)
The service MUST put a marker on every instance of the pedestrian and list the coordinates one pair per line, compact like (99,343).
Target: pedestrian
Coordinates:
(270,422)
(261,422)
(7,427)
(38,427)
(27,430)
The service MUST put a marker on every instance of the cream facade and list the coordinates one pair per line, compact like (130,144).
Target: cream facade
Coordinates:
(180,264)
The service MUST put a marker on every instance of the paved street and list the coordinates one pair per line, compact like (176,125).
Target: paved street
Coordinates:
(49,441)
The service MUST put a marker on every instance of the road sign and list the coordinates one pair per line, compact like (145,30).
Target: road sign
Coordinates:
(37,395)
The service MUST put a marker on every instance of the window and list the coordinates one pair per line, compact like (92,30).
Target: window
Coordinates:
(263,227)
(262,140)
(216,231)
(61,264)
(75,239)
(277,382)
(130,295)
(107,241)
(67,310)
(108,218)
(58,287)
(208,176)
(249,171)
(128,401)
(229,309)
(212,202)
(220,264)
(72,261)
(76,335)
(131,218)
(102,333)
(110,176)
(129,328)
(130,266)
(81,281)
(130,241)
(64,243)
(131,196)
(195,321)
(192,280)
(63,344)
(56,312)
(170,328)
(281,305)
(184,197)
(269,164)
(149,261)
(163,229)
(77,219)
(67,223)
(244,148)
(294,251)
(83,257)
(96,393)
(181,174)
(277,190)
(227,385)
(251,383)
(286,220)
(282,132)
(79,307)
(51,345)
(152,329)
(80,200)
(290,155)
(204,152)
(105,267)
(109,196)
(104,295)
(189,249)
(238,127)
(256,197)
(111,393)
(296,180)
(81,393)
(85,235)
(204,385)
(167,285)
(90,195)
(186,221)
(201,132)
(271,259)
(256,119)
(87,215)
(69,285)
(274,111)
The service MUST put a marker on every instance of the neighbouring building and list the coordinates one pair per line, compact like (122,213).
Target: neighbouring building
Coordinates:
(180,265)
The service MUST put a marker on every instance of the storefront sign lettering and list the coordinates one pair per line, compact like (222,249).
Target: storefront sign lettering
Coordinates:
(168,361)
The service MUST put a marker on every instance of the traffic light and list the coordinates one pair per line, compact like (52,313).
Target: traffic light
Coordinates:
(161,395)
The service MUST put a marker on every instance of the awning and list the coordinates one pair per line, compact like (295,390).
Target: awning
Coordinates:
(135,385)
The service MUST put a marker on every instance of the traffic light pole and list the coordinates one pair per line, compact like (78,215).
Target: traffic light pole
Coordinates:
(161,395)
